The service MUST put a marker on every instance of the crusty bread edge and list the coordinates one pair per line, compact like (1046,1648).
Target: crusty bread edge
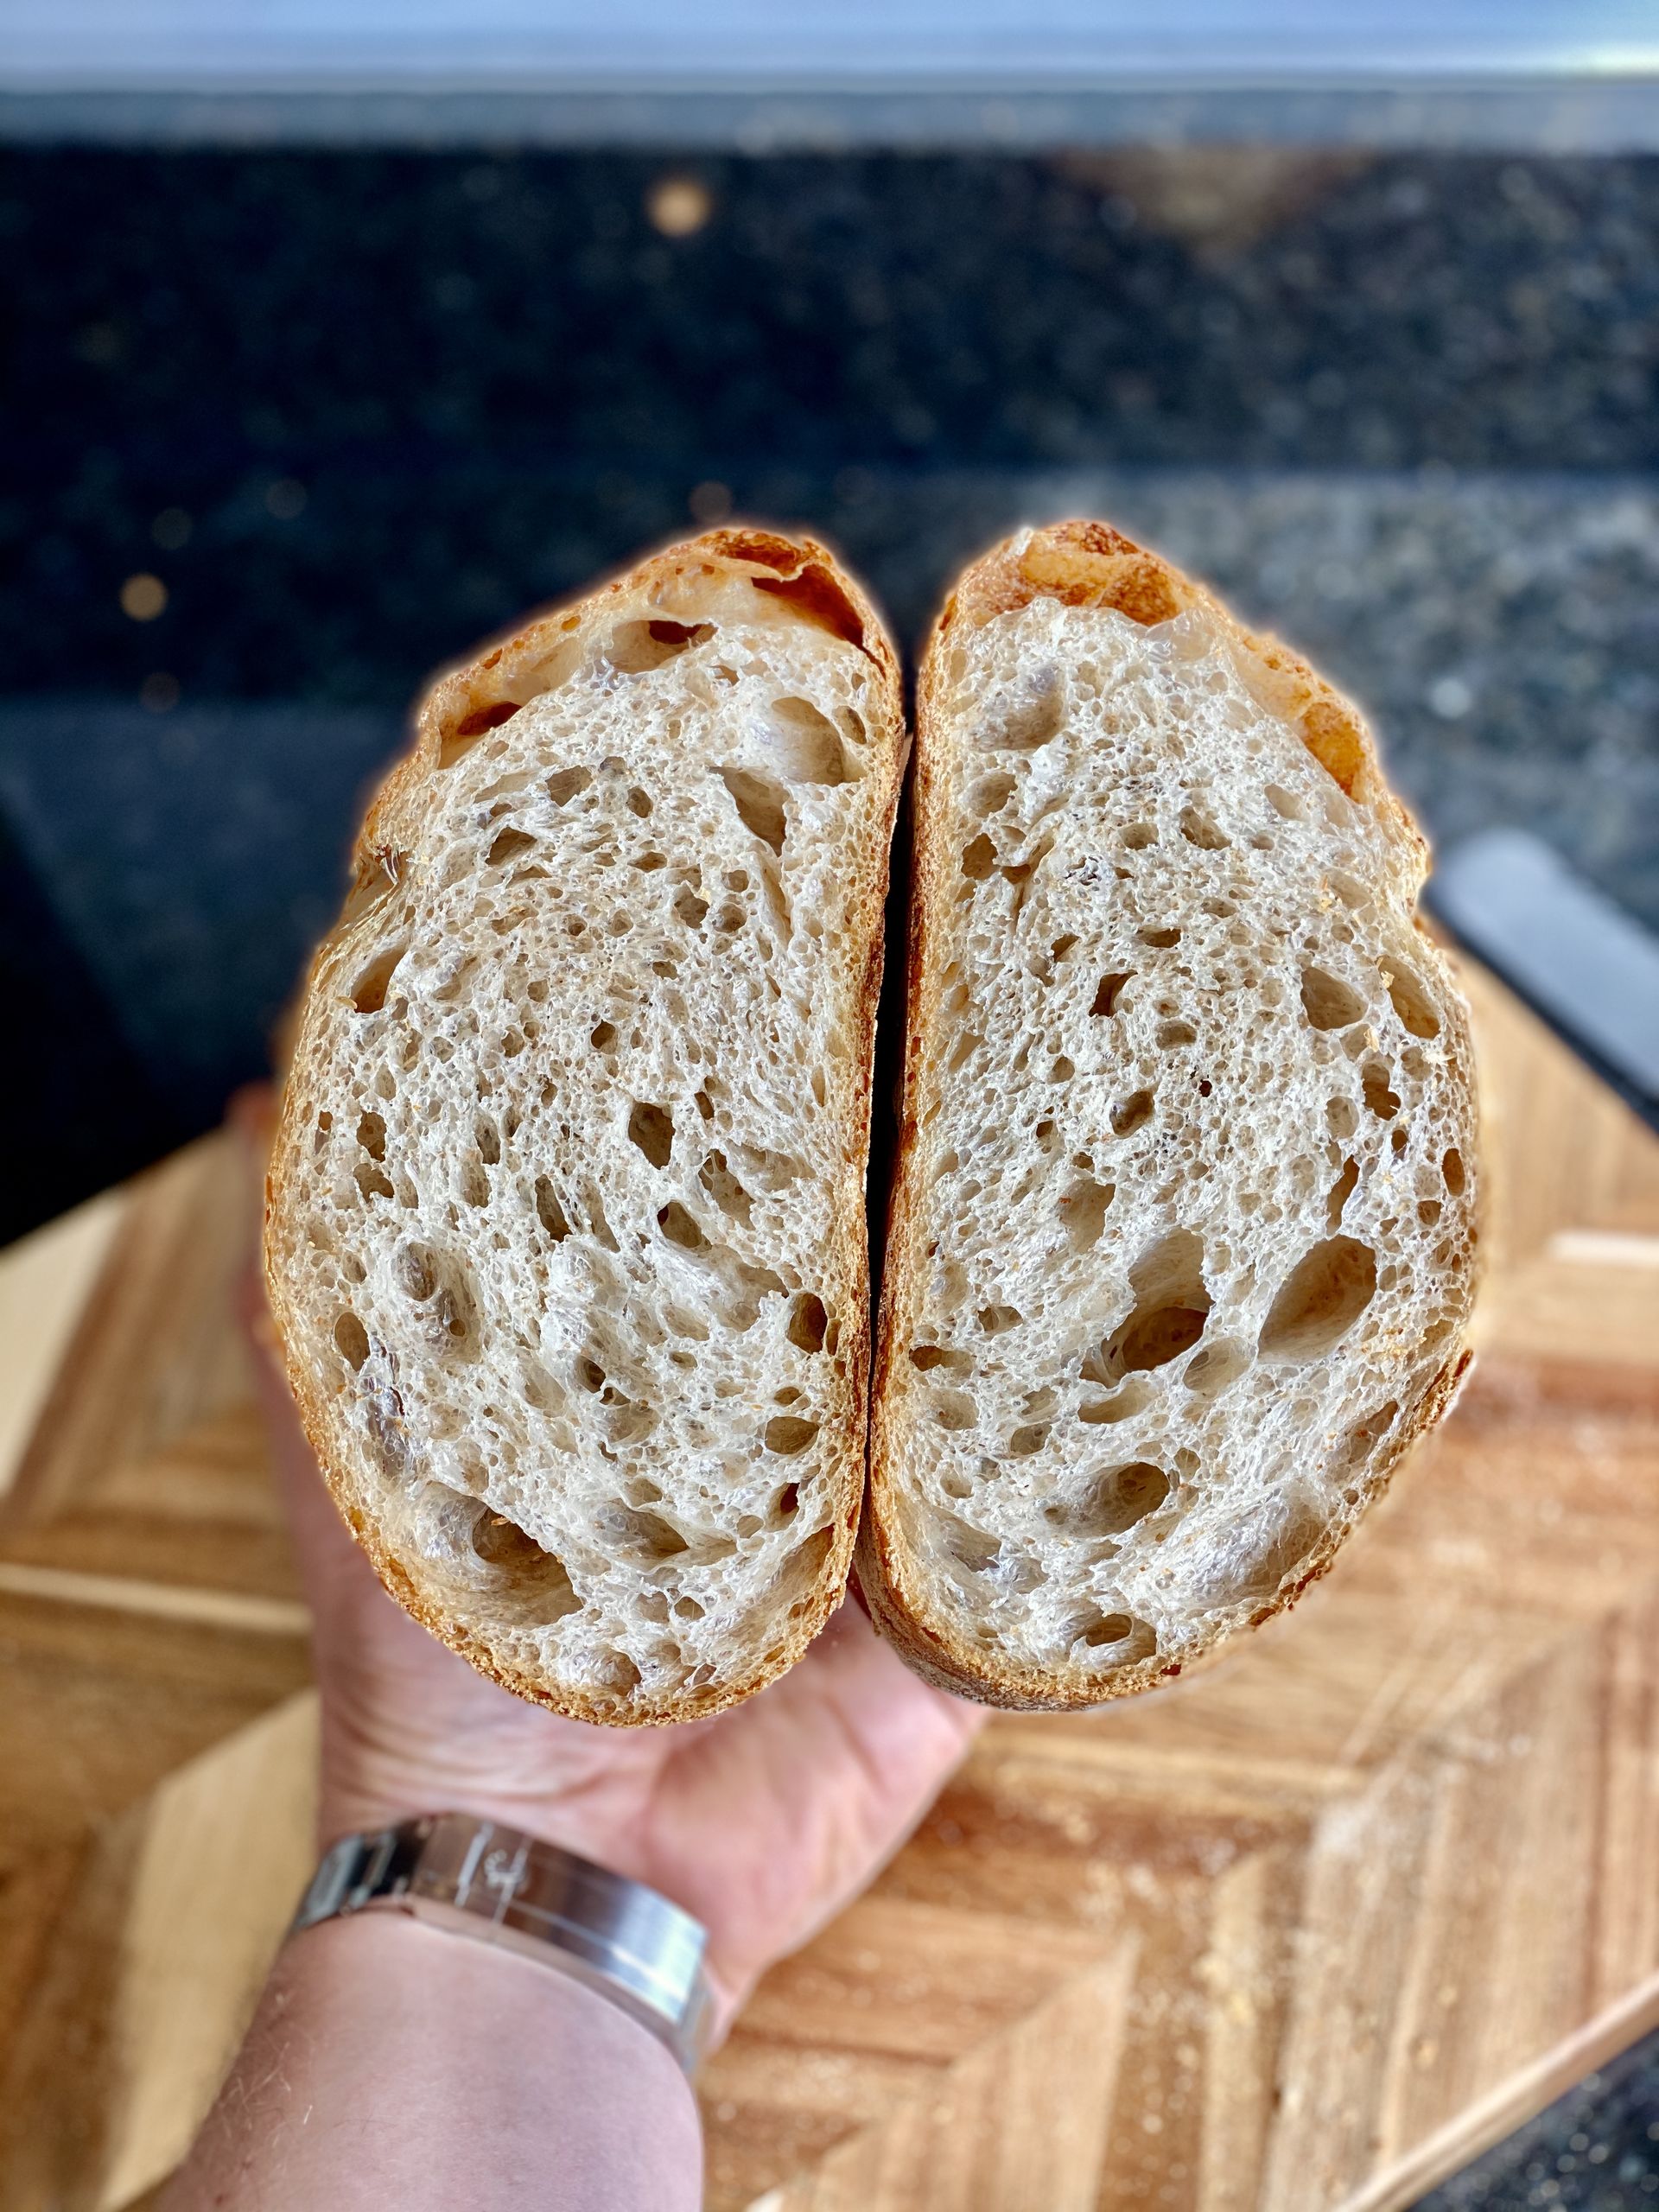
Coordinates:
(468,689)
(1084,562)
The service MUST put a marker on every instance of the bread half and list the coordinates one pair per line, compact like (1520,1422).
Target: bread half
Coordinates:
(565,1234)
(1182,1246)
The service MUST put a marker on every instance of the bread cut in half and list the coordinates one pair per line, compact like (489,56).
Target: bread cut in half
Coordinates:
(565,1234)
(1182,1245)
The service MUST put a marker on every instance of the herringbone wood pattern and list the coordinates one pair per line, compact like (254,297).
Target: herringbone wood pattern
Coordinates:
(1300,1932)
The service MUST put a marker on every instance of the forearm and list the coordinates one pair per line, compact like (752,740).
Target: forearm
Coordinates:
(392,2067)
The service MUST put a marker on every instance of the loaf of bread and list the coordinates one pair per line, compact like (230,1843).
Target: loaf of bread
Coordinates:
(565,1234)
(1182,1245)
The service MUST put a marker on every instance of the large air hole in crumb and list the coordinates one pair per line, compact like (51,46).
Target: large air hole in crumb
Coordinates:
(994,1319)
(564,783)
(1117,1501)
(978,860)
(1172,1035)
(1082,1212)
(723,1187)
(1328,1003)
(1110,991)
(1319,1301)
(1452,1170)
(1215,1367)
(1362,1440)
(690,910)
(509,844)
(954,1409)
(974,1549)
(786,1434)
(1411,1001)
(990,795)
(1108,1628)
(617,1675)
(350,1340)
(550,1212)
(681,1228)
(805,743)
(647,1537)
(760,802)
(1383,1101)
(925,1358)
(651,1128)
(1286,803)
(1198,830)
(802,1570)
(1161,939)
(1341,1190)
(483,719)
(1138,836)
(371,1135)
(1128,1640)
(814,592)
(1171,1307)
(1132,1113)
(807,1322)
(1124,1403)
(472,1181)
(369,991)
(636,648)
(539,1582)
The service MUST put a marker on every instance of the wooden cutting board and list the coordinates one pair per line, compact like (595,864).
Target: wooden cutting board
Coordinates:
(1305,1932)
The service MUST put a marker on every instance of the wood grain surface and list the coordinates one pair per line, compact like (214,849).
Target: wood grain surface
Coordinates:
(1303,1932)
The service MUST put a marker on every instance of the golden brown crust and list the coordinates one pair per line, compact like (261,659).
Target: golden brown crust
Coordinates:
(1082,564)
(460,705)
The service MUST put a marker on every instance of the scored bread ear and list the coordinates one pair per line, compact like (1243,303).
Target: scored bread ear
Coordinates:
(565,1238)
(1180,1256)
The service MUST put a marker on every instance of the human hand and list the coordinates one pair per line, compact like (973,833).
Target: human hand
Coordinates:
(763,1822)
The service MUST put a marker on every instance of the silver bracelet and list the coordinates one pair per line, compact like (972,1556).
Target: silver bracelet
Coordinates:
(478,1878)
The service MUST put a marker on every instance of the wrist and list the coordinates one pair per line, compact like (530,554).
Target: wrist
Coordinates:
(392,2063)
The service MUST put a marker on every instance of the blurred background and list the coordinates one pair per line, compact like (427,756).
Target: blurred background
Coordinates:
(335,337)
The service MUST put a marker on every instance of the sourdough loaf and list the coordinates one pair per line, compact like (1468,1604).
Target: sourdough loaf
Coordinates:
(565,1233)
(1181,1251)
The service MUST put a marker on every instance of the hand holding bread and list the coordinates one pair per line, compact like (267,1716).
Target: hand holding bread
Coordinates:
(565,1237)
